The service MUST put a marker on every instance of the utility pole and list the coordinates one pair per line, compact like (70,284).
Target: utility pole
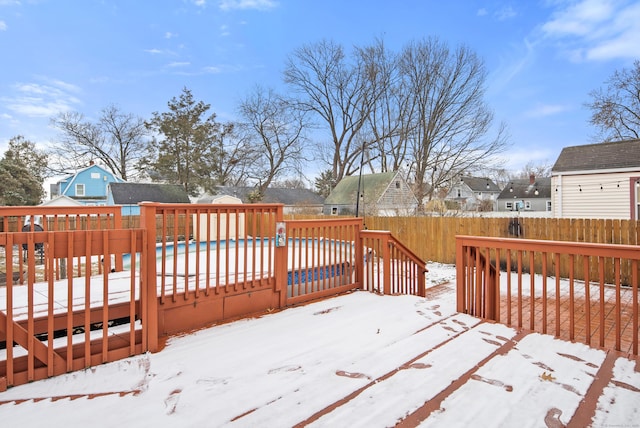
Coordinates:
(360,180)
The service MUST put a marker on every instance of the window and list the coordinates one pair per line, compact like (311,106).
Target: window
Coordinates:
(95,175)
(458,193)
(548,205)
(527,205)
(79,189)
(334,210)
(508,205)
(397,184)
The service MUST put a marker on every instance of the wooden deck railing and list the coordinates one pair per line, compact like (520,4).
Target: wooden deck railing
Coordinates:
(60,325)
(322,258)
(390,267)
(518,282)
(187,266)
(42,219)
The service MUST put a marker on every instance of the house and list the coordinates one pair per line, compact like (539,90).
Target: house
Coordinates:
(300,201)
(474,193)
(598,181)
(87,186)
(129,195)
(61,201)
(382,194)
(526,195)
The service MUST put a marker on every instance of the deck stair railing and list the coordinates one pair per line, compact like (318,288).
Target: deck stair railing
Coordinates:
(390,267)
(518,282)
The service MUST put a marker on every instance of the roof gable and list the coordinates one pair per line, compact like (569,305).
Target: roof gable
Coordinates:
(372,186)
(612,155)
(134,193)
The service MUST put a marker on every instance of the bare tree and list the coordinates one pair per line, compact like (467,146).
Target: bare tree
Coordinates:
(236,155)
(531,168)
(391,111)
(615,110)
(338,93)
(450,133)
(117,140)
(276,131)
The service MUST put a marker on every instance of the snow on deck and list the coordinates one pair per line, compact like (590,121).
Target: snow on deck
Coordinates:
(359,359)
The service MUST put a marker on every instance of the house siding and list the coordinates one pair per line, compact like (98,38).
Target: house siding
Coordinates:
(95,180)
(535,204)
(580,195)
(397,199)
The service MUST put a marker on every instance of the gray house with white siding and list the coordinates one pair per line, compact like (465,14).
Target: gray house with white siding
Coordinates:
(598,181)
(526,195)
(474,193)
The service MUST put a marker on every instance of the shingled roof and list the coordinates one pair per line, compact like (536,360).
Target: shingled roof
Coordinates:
(480,184)
(371,185)
(531,188)
(613,155)
(134,193)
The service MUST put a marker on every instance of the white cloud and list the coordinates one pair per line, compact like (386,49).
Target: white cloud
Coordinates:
(178,64)
(505,13)
(46,98)
(3,26)
(154,51)
(592,30)
(247,4)
(169,35)
(544,110)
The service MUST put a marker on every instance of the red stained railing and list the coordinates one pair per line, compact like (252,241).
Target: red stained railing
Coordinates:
(518,282)
(321,258)
(80,290)
(389,266)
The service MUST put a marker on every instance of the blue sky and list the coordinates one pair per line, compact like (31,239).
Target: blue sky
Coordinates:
(543,57)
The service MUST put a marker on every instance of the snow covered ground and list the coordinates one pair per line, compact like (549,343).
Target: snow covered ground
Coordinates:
(359,359)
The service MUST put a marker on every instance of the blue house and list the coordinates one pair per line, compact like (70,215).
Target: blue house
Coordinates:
(87,186)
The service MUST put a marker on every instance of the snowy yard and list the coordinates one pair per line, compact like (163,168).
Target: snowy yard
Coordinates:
(359,359)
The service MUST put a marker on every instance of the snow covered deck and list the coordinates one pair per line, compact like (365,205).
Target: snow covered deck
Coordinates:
(359,359)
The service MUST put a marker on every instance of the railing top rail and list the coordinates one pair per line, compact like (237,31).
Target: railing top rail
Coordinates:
(18,211)
(390,238)
(581,248)
(251,207)
(332,221)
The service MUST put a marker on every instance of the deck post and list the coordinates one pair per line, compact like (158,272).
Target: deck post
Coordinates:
(359,256)
(281,254)
(460,276)
(148,292)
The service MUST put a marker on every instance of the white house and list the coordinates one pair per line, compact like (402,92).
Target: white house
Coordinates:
(526,195)
(474,193)
(597,181)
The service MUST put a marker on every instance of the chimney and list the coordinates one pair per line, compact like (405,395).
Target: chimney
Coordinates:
(532,178)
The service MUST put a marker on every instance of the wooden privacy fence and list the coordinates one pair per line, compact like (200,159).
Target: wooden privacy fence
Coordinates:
(519,283)
(433,238)
(73,298)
